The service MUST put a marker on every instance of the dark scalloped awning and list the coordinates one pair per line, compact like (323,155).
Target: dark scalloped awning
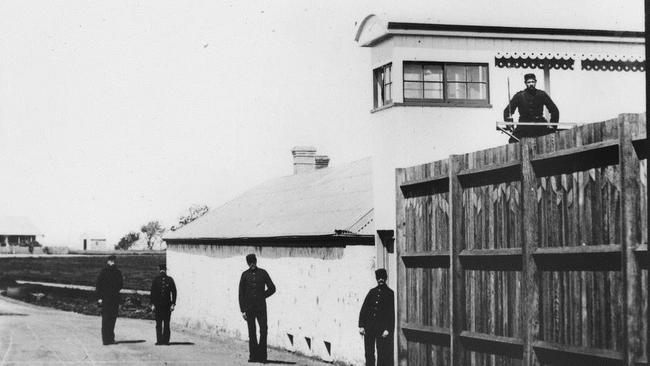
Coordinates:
(613,63)
(533,60)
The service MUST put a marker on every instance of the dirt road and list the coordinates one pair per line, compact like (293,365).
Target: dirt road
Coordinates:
(31,335)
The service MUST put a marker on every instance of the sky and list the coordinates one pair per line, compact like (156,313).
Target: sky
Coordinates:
(116,113)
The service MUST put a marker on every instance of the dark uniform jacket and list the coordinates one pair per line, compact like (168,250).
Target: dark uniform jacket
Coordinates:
(163,291)
(109,284)
(378,310)
(252,291)
(531,109)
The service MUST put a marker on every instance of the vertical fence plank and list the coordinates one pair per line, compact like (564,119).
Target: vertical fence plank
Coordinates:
(400,240)
(457,277)
(630,271)
(530,275)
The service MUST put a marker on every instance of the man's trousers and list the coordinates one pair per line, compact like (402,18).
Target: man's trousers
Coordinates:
(163,314)
(109,316)
(257,350)
(384,349)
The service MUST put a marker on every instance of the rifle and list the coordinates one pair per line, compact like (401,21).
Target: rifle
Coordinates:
(499,128)
(509,110)
(505,130)
(506,126)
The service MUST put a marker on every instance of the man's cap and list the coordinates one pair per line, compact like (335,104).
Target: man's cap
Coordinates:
(111,258)
(381,274)
(162,267)
(530,76)
(251,258)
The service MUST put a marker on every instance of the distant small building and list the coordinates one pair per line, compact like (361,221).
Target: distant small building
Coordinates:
(94,241)
(312,231)
(16,231)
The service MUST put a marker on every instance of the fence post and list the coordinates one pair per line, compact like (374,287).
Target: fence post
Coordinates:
(530,275)
(457,273)
(402,350)
(629,171)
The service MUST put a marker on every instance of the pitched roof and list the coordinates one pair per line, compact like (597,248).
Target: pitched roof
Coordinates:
(327,201)
(17,225)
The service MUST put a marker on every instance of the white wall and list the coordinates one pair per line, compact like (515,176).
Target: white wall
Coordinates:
(319,294)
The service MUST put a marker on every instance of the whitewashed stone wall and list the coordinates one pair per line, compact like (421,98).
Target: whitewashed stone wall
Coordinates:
(319,294)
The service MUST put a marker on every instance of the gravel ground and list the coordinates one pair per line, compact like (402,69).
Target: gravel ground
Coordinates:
(34,335)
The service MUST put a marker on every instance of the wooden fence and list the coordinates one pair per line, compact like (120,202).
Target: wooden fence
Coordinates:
(533,253)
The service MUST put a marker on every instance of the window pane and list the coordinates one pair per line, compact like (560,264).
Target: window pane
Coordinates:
(412,90)
(432,72)
(379,87)
(477,91)
(412,94)
(456,91)
(433,90)
(376,91)
(477,73)
(381,92)
(388,92)
(412,72)
(455,73)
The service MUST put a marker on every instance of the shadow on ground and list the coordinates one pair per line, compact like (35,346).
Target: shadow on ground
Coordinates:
(127,342)
(278,362)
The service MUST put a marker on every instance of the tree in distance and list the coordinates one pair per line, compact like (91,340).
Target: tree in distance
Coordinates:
(127,241)
(153,233)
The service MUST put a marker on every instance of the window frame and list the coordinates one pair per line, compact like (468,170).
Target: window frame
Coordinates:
(379,101)
(445,101)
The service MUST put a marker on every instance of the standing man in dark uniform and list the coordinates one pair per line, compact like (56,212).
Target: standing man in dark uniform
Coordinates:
(109,284)
(530,102)
(163,301)
(255,286)
(377,322)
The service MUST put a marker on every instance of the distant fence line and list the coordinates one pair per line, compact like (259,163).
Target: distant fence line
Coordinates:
(138,269)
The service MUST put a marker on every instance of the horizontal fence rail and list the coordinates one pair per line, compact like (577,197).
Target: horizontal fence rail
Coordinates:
(532,253)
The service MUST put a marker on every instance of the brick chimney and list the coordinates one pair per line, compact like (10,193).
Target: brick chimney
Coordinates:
(304,159)
(322,161)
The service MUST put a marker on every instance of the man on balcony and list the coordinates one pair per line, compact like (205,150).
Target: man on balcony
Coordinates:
(530,103)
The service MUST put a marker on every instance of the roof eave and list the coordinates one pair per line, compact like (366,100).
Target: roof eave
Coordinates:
(23,234)
(513,30)
(512,36)
(329,240)
(479,31)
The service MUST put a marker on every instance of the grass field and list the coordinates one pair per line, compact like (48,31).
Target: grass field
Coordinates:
(81,301)
(138,269)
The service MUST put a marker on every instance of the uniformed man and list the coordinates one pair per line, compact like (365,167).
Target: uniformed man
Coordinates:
(377,322)
(109,284)
(255,286)
(163,301)
(530,103)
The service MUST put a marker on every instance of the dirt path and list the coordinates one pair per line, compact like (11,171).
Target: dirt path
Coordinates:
(32,335)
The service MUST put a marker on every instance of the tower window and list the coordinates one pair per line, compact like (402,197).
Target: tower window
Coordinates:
(382,85)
